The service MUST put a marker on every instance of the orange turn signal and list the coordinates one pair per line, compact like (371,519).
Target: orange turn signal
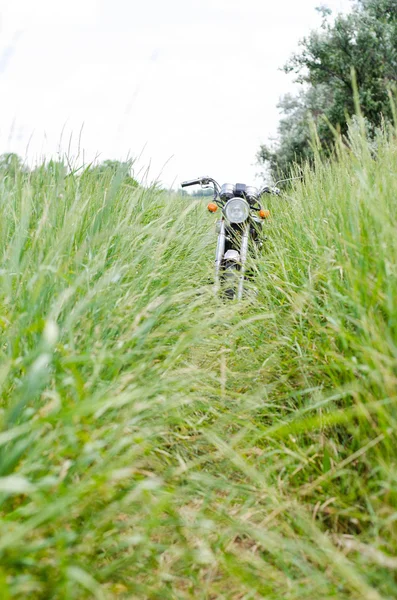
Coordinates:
(212,207)
(264,214)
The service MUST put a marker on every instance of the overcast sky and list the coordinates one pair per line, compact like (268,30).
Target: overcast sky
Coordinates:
(188,86)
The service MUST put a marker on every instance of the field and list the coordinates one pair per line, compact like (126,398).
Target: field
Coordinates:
(157,442)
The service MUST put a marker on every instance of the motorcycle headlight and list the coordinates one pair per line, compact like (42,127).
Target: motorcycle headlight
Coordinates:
(237,210)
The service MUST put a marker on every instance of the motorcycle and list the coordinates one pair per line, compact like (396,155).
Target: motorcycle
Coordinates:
(240,225)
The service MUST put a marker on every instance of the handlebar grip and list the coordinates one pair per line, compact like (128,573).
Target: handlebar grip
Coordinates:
(190,182)
(267,190)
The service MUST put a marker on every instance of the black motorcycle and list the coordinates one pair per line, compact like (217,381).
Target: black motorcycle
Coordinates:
(241,222)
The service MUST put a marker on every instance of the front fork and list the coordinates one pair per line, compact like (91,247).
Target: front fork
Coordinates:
(220,252)
(243,259)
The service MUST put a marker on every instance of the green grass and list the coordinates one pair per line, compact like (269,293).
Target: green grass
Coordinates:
(157,442)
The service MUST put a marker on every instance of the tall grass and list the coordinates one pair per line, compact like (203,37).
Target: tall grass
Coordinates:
(157,442)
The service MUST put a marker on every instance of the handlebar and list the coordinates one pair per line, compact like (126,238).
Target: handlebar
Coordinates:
(206,181)
(191,182)
(203,181)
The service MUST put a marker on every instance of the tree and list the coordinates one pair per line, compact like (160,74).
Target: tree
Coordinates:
(364,40)
(301,112)
(54,169)
(117,169)
(11,164)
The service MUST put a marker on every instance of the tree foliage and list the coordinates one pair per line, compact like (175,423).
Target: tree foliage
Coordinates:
(11,165)
(363,41)
(115,169)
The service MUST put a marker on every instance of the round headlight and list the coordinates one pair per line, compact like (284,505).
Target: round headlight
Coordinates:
(237,210)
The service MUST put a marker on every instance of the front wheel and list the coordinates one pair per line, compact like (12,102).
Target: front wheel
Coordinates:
(230,279)
(230,265)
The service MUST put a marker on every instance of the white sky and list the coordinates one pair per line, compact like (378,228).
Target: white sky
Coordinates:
(189,86)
